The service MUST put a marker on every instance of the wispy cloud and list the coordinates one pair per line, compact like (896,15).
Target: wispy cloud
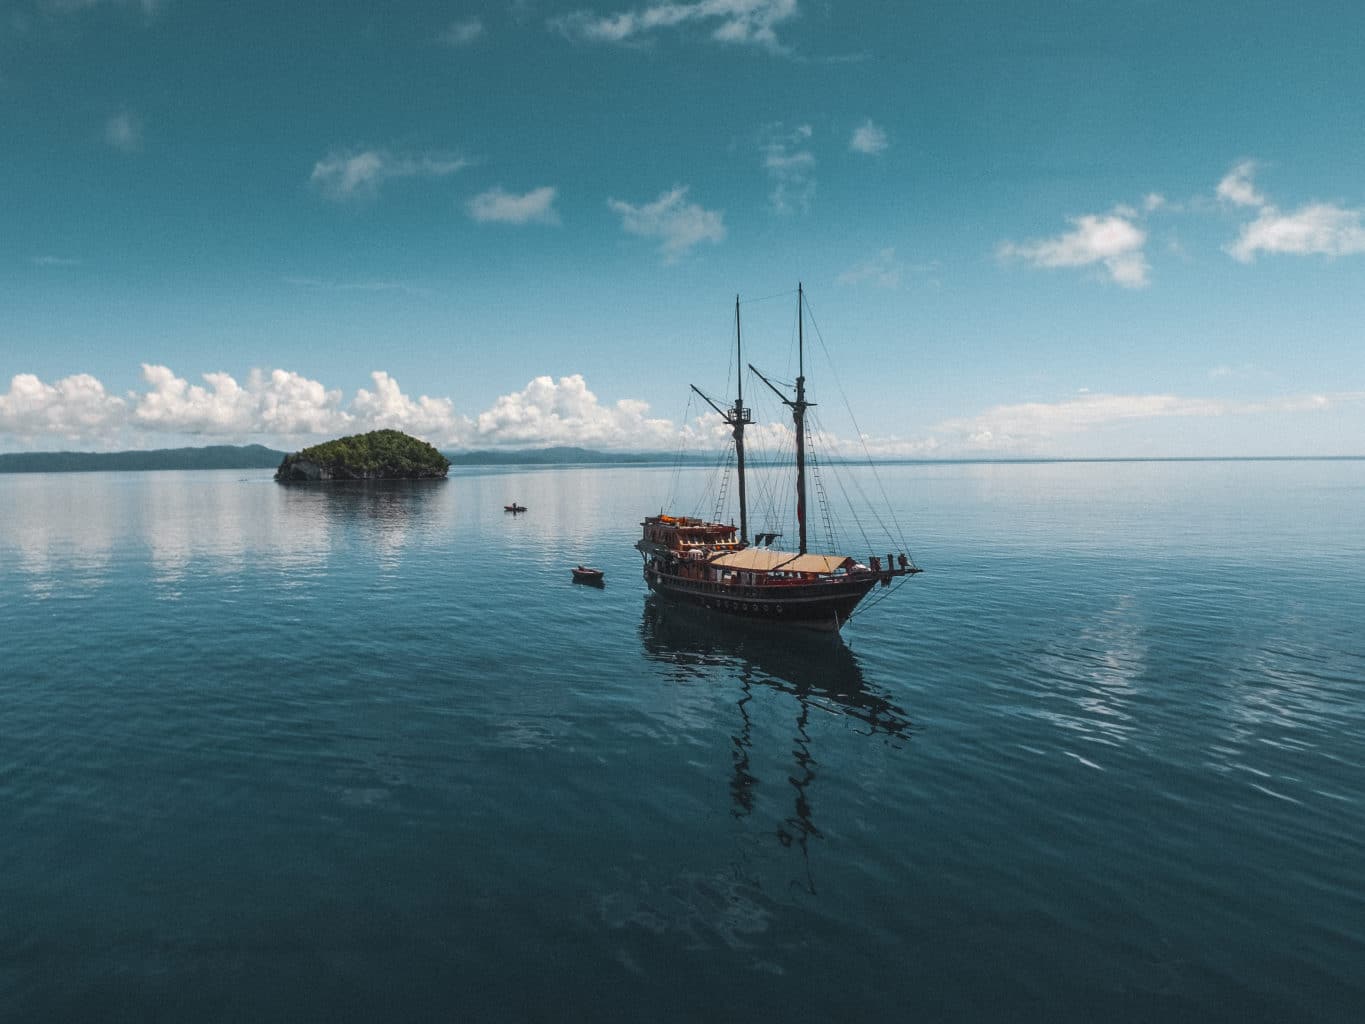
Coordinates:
(497,206)
(1319,228)
(791,167)
(345,175)
(123,131)
(678,224)
(868,139)
(1224,371)
(321,284)
(1113,242)
(147,7)
(738,22)
(882,269)
(1035,427)
(54,261)
(1324,229)
(1237,188)
(461,33)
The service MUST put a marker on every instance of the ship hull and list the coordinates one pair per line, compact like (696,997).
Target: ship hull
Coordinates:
(823,606)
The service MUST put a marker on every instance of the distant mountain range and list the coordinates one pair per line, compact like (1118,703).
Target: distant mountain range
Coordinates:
(219,456)
(255,456)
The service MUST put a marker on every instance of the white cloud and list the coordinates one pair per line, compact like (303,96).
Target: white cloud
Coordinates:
(462,33)
(388,407)
(535,207)
(565,412)
(1237,188)
(123,131)
(1319,228)
(348,175)
(882,269)
(72,408)
(290,404)
(290,410)
(791,167)
(283,404)
(678,224)
(55,261)
(739,22)
(1112,241)
(173,404)
(868,138)
(1153,201)
(280,403)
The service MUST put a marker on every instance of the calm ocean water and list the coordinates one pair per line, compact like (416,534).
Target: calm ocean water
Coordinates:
(362,753)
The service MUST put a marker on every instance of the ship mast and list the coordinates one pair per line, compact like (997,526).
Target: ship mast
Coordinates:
(799,417)
(798,408)
(737,419)
(736,416)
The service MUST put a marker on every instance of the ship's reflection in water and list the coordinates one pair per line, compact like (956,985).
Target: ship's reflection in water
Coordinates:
(817,670)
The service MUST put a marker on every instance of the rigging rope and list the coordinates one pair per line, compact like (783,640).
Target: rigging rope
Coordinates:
(777,501)
(821,498)
(872,601)
(676,476)
(718,472)
(843,491)
(724,490)
(895,531)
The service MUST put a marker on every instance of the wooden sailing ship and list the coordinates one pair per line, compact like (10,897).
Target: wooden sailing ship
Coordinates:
(714,564)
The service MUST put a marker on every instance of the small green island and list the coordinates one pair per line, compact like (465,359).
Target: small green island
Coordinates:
(378,455)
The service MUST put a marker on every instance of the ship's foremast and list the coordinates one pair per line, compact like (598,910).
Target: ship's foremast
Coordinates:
(737,417)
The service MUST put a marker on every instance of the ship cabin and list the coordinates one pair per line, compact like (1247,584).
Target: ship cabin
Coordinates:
(683,535)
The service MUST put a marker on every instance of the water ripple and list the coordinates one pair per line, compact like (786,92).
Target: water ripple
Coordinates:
(272,753)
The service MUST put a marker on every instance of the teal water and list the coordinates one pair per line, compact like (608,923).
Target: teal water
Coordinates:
(365,753)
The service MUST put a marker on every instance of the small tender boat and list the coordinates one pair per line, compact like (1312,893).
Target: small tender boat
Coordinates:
(514,508)
(585,574)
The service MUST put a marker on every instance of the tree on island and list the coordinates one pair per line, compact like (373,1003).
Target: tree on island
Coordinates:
(378,455)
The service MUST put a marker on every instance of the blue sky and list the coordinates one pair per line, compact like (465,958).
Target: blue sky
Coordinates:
(1066,229)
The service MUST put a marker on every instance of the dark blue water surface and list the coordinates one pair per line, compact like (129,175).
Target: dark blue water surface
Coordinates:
(362,753)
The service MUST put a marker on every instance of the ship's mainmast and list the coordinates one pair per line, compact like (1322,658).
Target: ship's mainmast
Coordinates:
(737,417)
(798,407)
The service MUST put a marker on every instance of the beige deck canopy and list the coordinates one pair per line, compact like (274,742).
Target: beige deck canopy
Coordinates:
(766,560)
